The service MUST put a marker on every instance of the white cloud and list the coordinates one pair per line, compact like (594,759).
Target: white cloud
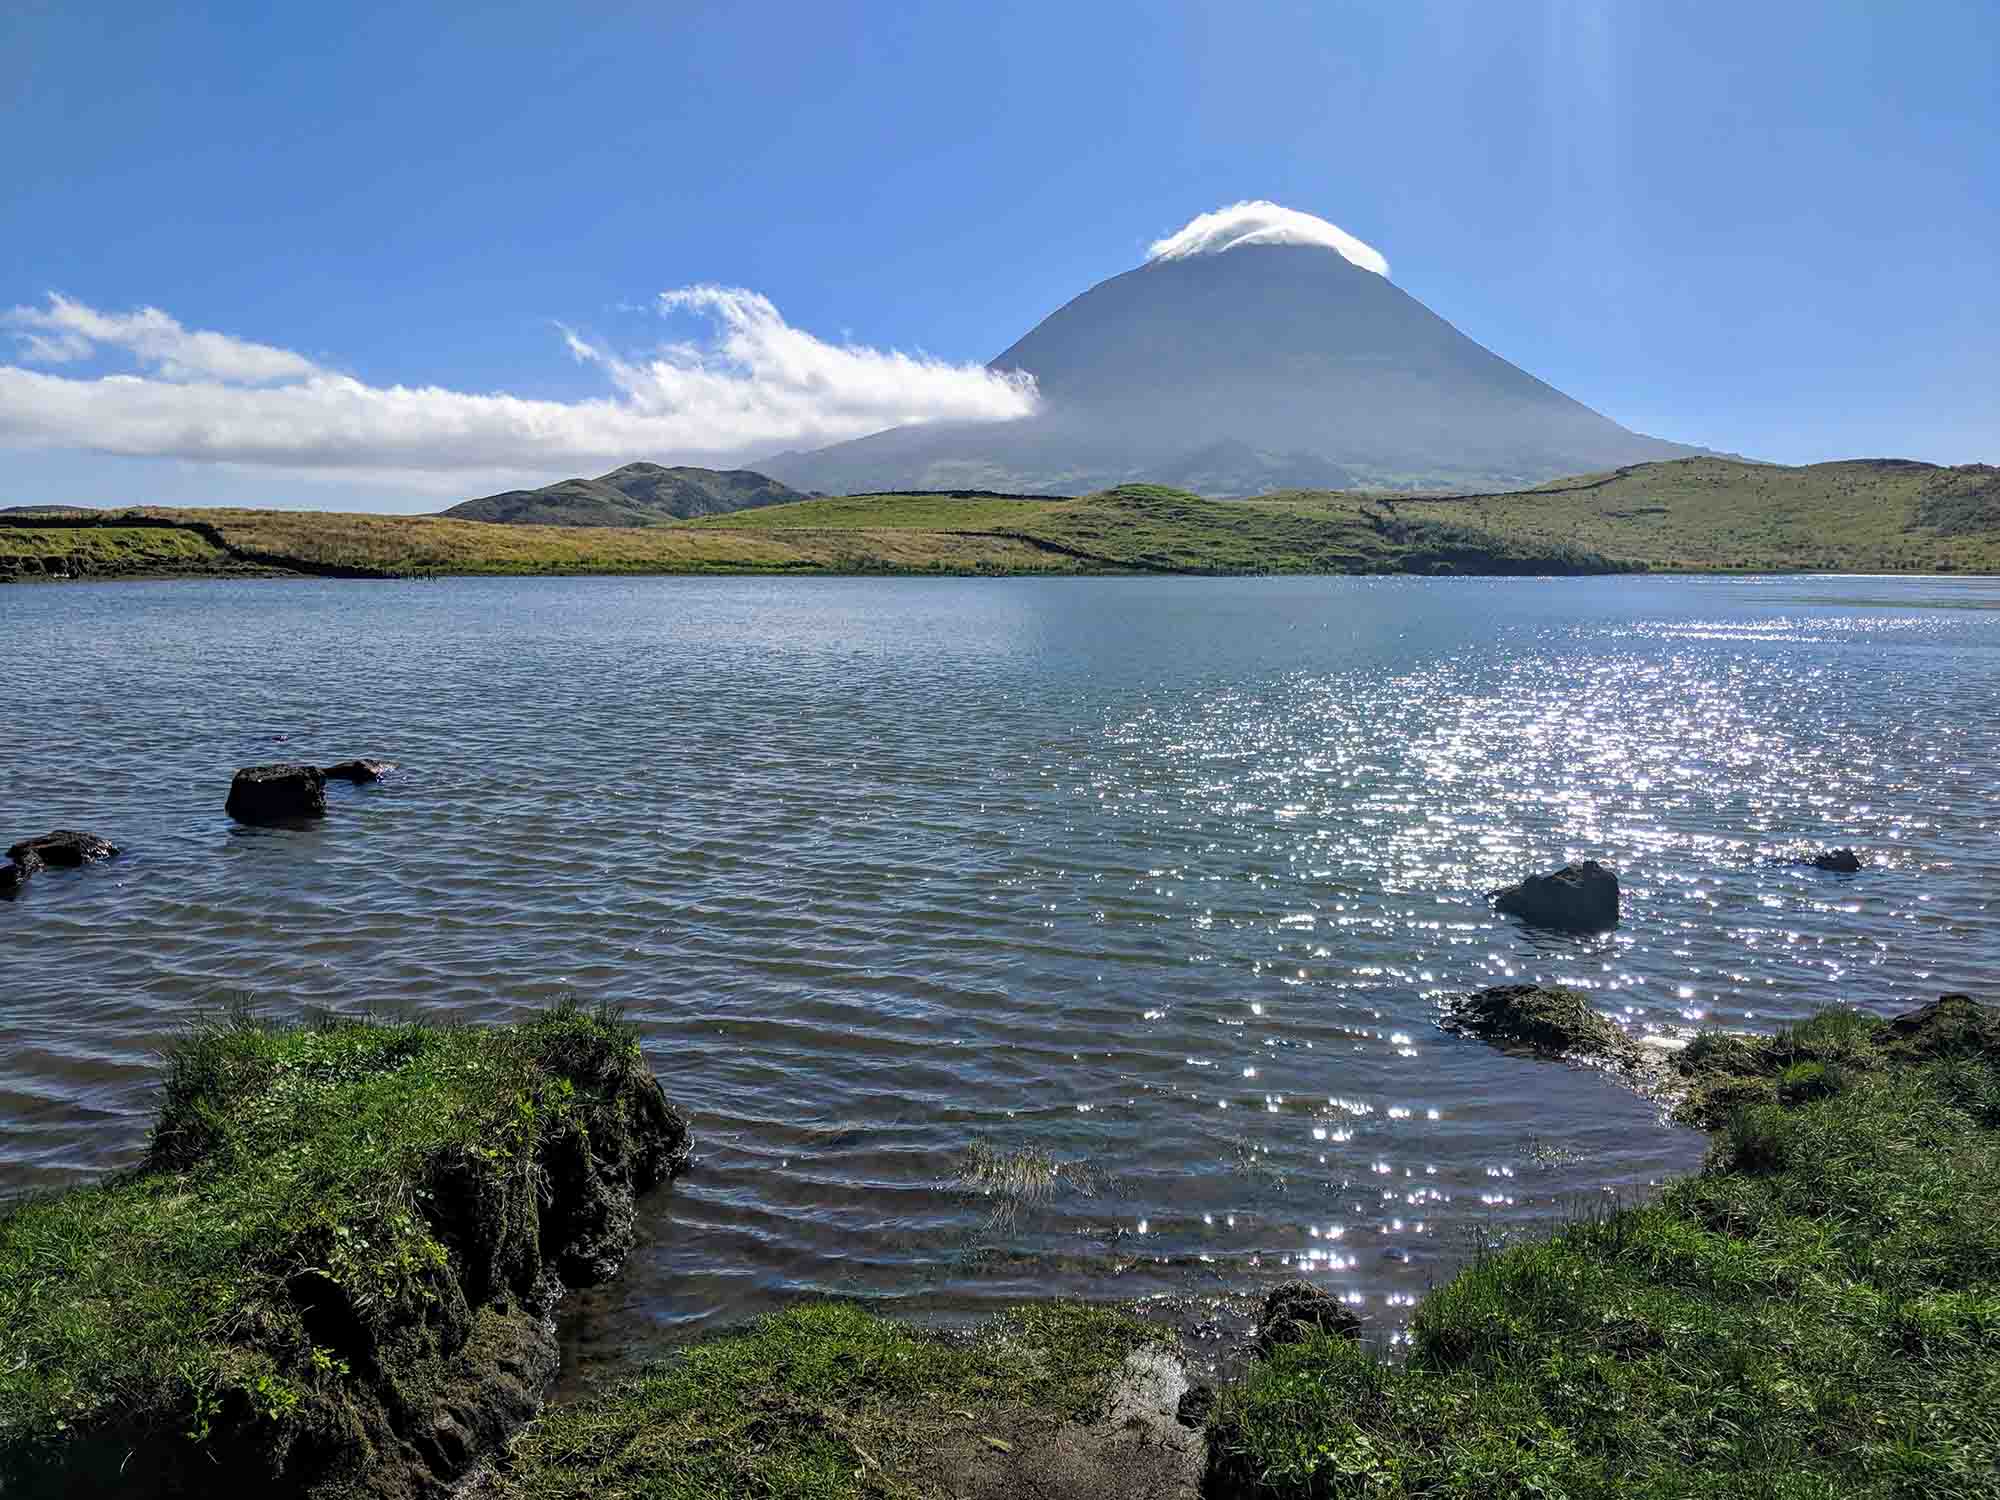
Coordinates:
(756,385)
(66,330)
(1264,223)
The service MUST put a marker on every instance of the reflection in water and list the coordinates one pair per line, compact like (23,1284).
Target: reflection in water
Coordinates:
(1009,936)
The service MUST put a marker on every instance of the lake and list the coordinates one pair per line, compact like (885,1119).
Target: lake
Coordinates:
(1007,936)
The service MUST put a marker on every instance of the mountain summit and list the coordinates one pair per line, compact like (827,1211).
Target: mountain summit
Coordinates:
(1258,348)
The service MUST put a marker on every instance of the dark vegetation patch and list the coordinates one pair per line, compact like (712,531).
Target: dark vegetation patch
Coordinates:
(1961,502)
(334,1270)
(1817,1313)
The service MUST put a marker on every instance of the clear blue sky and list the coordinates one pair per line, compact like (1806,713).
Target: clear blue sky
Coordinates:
(1771,228)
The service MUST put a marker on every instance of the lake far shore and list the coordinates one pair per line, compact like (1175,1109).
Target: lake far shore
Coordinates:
(1698,515)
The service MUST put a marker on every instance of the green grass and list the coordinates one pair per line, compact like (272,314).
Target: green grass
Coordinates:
(1859,516)
(331,1209)
(1701,514)
(1816,1314)
(1144,527)
(324,1210)
(824,1400)
(105,551)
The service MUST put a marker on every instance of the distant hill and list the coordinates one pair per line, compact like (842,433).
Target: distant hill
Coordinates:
(636,495)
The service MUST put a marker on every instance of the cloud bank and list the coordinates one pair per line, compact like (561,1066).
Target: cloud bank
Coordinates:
(1264,223)
(754,385)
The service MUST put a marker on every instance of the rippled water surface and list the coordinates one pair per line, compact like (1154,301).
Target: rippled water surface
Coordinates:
(1006,936)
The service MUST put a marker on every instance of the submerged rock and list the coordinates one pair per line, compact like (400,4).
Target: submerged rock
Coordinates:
(14,874)
(1579,897)
(65,849)
(277,793)
(360,772)
(1839,861)
(1299,1310)
(1543,1019)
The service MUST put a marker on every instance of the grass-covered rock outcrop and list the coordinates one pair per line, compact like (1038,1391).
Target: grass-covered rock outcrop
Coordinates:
(333,1272)
(829,1401)
(1815,1314)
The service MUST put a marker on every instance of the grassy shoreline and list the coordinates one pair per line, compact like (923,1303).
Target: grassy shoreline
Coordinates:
(1816,1313)
(334,1270)
(1689,515)
(332,1278)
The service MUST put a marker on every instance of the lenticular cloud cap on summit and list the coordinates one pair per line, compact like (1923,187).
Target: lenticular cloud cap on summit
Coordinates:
(1264,223)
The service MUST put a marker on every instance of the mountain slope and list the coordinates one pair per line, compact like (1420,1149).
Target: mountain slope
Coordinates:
(638,494)
(1261,366)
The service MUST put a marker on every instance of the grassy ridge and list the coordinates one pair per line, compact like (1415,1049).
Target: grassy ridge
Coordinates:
(1711,513)
(401,545)
(1700,514)
(1150,528)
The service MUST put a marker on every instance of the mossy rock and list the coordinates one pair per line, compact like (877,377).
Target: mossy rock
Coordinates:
(334,1272)
(1546,1020)
(1951,1026)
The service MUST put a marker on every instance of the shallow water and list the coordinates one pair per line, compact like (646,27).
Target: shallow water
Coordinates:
(1139,891)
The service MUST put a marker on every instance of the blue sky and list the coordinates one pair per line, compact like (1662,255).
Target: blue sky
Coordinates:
(1769,228)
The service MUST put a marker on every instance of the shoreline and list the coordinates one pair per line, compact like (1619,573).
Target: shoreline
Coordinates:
(1673,1303)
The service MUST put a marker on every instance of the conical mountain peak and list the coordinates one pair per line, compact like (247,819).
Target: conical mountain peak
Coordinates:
(1258,348)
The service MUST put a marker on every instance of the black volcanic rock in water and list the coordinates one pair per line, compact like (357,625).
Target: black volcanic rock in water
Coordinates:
(1290,363)
(15,872)
(1581,898)
(63,849)
(277,793)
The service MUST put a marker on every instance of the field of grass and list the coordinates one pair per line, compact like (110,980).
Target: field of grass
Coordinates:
(329,1220)
(106,552)
(1694,514)
(1149,528)
(401,545)
(1864,516)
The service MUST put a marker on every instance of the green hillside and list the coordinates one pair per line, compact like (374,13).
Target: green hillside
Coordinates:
(635,495)
(1149,528)
(1858,516)
(1701,514)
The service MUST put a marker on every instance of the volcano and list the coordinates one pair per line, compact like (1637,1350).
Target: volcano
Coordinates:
(1260,348)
